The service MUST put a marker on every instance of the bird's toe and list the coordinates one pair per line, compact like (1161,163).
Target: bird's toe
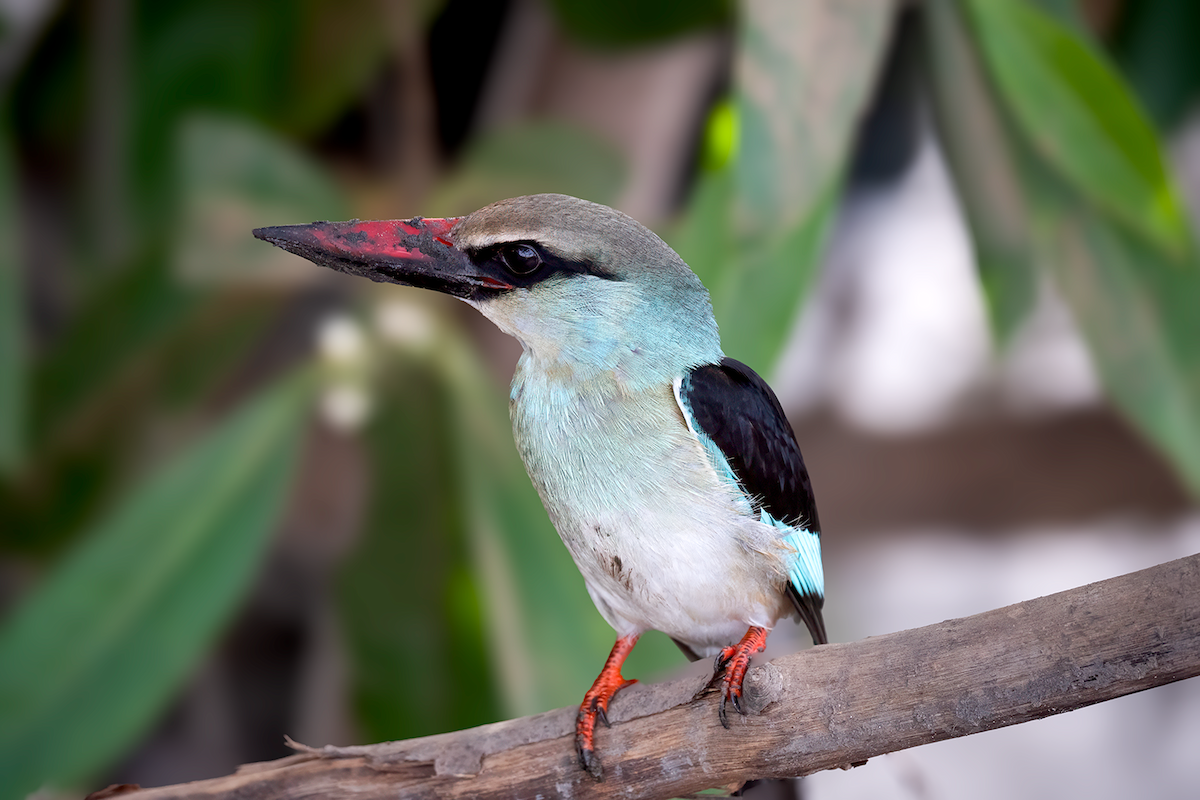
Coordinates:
(732,664)
(589,762)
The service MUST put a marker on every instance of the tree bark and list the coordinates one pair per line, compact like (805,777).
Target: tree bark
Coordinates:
(831,706)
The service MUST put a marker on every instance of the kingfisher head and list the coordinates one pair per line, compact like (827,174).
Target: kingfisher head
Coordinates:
(580,285)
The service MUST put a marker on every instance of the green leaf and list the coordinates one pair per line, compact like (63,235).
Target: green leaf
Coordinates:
(622,23)
(338,49)
(153,338)
(293,65)
(114,331)
(191,365)
(1079,116)
(12,319)
(407,591)
(757,285)
(705,237)
(142,347)
(976,139)
(236,176)
(755,229)
(1138,312)
(1133,288)
(804,76)
(1155,44)
(95,652)
(529,159)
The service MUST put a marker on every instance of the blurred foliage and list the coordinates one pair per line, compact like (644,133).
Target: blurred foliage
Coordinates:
(1155,46)
(753,237)
(399,618)
(1078,187)
(159,334)
(624,23)
(1076,113)
(969,123)
(530,158)
(293,66)
(459,604)
(12,318)
(231,171)
(148,529)
(166,567)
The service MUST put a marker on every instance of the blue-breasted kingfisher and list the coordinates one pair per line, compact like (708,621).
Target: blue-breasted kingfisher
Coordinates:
(668,468)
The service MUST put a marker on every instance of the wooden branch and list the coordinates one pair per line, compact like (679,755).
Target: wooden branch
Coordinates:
(828,707)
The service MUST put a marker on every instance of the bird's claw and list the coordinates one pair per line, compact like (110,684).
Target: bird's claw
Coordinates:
(595,707)
(736,698)
(585,728)
(723,658)
(591,765)
(719,664)
(731,694)
(731,666)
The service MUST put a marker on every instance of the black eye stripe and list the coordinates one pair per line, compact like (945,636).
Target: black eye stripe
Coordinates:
(522,264)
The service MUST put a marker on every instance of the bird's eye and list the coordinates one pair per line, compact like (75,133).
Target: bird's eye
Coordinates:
(521,259)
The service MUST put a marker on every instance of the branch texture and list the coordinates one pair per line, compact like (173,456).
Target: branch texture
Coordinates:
(828,707)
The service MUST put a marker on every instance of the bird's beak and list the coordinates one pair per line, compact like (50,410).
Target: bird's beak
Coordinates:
(413,252)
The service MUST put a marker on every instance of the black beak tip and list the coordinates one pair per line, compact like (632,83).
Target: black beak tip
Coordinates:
(302,240)
(283,235)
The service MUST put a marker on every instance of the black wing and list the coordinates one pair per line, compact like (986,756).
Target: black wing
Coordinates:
(736,409)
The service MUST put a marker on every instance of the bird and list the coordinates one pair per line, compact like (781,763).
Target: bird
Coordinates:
(669,469)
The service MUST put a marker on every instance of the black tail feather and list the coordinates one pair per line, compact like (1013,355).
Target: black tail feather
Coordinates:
(688,652)
(809,608)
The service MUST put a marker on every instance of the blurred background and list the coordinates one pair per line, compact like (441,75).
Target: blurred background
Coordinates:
(243,497)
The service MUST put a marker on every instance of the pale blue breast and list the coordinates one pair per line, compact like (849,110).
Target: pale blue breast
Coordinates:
(663,540)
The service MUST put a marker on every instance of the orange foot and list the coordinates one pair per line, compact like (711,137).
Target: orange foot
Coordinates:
(595,704)
(735,660)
